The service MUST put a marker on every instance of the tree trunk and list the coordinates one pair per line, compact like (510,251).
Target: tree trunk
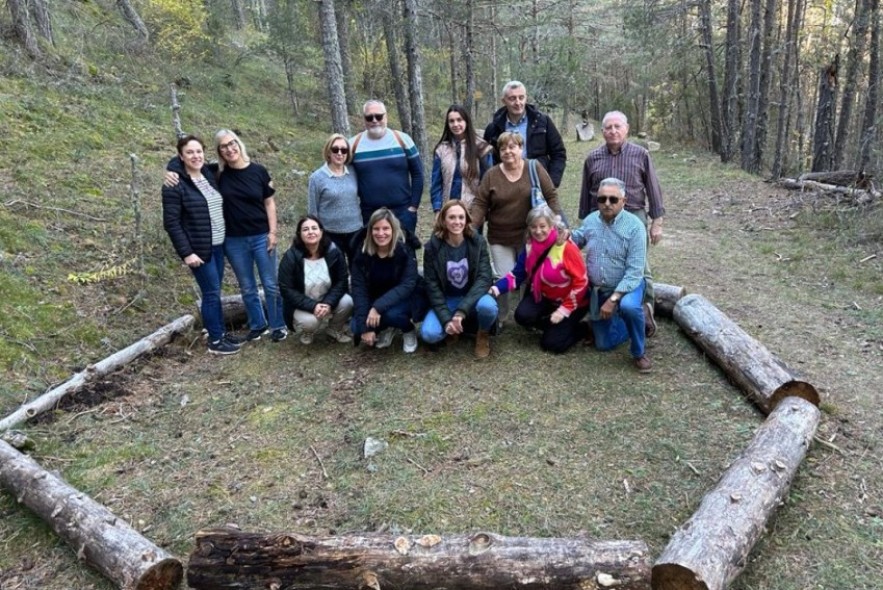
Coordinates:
(869,125)
(101,539)
(770,19)
(399,85)
(762,376)
(823,134)
(415,78)
(666,297)
(21,24)
(133,18)
(228,558)
(289,64)
(342,12)
(749,120)
(453,61)
(854,60)
(711,549)
(176,111)
(43,19)
(713,94)
(119,359)
(340,122)
(786,87)
(731,81)
(469,58)
(238,14)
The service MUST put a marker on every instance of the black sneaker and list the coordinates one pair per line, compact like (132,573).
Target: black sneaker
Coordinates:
(279,335)
(222,346)
(256,334)
(233,338)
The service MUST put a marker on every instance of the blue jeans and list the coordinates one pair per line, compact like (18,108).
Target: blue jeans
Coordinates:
(627,323)
(397,316)
(244,253)
(209,277)
(484,313)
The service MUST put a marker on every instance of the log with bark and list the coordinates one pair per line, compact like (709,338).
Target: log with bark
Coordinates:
(711,549)
(100,538)
(860,196)
(839,178)
(119,359)
(763,377)
(666,297)
(233,308)
(229,558)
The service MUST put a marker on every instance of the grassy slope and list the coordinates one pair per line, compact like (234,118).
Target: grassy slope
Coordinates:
(517,451)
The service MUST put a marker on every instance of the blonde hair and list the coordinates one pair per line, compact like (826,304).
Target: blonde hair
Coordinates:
(507,137)
(369,247)
(326,151)
(221,134)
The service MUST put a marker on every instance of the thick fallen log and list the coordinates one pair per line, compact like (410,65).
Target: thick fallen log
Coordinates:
(858,195)
(229,558)
(666,297)
(763,377)
(711,549)
(233,308)
(838,177)
(101,539)
(119,359)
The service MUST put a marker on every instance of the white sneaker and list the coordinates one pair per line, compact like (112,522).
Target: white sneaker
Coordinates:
(410,341)
(338,335)
(306,337)
(384,339)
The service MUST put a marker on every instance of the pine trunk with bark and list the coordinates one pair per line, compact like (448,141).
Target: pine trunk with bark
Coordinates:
(732,67)
(399,82)
(238,14)
(749,364)
(21,24)
(98,536)
(415,78)
(42,19)
(712,548)
(342,11)
(823,133)
(770,19)
(854,62)
(133,18)
(869,120)
(469,58)
(229,558)
(752,109)
(333,69)
(713,93)
(786,87)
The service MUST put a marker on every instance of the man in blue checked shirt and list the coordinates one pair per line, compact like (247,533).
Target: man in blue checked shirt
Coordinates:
(616,255)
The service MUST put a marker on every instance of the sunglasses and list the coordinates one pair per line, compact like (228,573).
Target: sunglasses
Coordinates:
(376,117)
(611,200)
(340,150)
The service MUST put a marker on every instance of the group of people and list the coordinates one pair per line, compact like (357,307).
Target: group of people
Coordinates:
(351,271)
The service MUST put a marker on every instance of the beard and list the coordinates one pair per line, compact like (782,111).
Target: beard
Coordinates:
(376,132)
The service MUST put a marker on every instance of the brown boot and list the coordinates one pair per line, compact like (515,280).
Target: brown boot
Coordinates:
(482,344)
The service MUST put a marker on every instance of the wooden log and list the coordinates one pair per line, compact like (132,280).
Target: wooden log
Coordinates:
(100,538)
(763,377)
(708,551)
(665,298)
(229,558)
(119,359)
(233,308)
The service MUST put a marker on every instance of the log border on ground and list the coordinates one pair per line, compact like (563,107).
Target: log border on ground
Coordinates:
(762,376)
(708,551)
(665,297)
(228,557)
(99,537)
(119,359)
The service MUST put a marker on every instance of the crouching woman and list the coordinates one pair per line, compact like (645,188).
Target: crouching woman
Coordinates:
(457,275)
(313,280)
(557,284)
(384,281)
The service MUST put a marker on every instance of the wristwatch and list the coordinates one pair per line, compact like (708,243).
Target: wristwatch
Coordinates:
(615,297)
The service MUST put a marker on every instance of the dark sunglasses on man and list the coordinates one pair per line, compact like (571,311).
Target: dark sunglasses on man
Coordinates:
(375,117)
(613,200)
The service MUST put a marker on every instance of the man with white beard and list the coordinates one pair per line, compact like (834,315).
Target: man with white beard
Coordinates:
(388,168)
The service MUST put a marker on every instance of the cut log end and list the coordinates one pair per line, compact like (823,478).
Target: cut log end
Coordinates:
(671,576)
(164,575)
(800,389)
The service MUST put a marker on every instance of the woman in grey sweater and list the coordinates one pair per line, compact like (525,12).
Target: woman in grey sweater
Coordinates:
(334,195)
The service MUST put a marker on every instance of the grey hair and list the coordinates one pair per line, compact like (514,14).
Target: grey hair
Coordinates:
(371,102)
(618,114)
(613,181)
(545,212)
(510,85)
(221,134)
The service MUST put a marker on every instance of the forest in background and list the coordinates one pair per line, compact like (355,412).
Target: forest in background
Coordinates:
(780,87)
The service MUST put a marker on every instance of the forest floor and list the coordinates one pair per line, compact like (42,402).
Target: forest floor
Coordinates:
(520,444)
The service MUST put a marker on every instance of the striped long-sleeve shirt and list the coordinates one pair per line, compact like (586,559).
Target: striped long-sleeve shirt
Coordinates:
(633,166)
(616,251)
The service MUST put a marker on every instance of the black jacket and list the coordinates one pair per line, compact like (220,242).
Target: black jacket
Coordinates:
(291,282)
(435,276)
(405,262)
(544,143)
(186,217)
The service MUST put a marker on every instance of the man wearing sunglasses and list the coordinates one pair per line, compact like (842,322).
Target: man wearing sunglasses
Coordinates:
(388,168)
(616,242)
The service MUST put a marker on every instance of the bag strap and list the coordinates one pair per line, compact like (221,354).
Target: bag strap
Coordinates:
(539,262)
(534,177)
(395,133)
(356,141)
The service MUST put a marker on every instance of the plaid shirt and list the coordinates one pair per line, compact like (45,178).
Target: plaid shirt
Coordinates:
(616,251)
(631,165)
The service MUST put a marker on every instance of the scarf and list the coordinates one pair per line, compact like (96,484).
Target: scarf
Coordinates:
(535,255)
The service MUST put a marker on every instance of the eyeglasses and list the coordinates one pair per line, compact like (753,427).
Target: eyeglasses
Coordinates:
(340,150)
(612,200)
(227,146)
(375,117)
